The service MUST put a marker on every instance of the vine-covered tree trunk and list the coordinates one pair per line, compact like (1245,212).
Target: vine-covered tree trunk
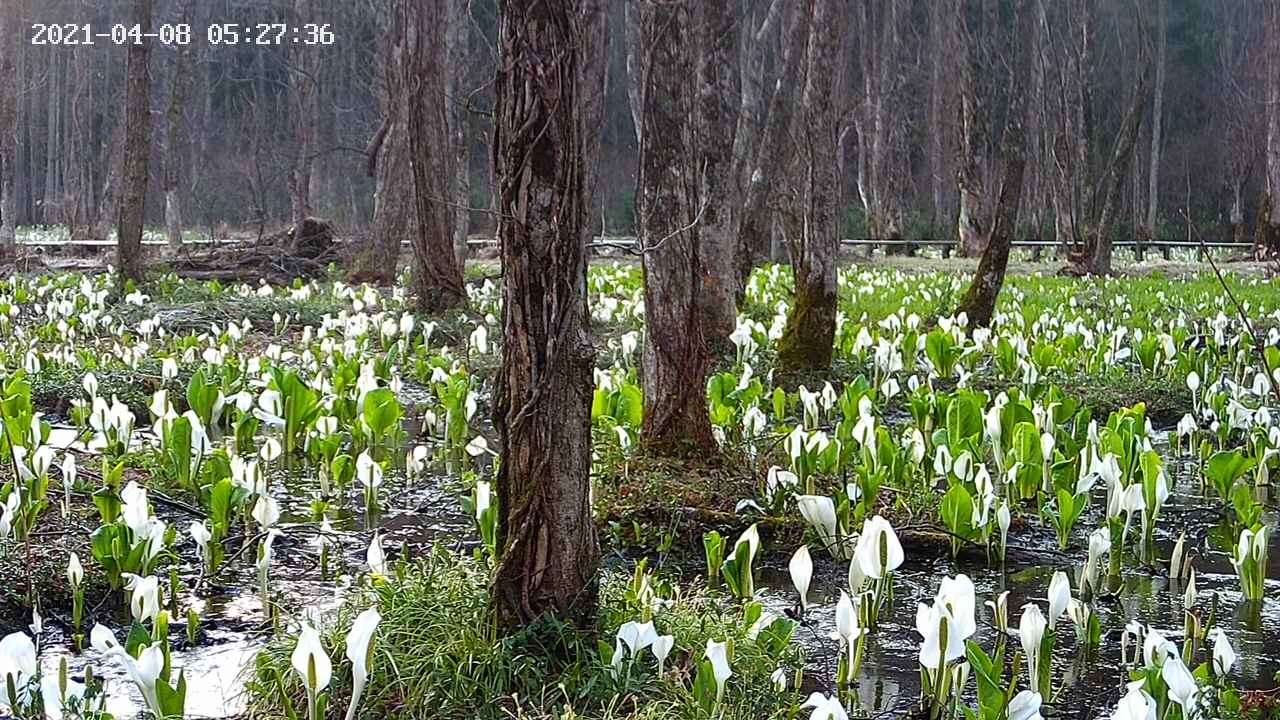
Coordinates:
(8,131)
(542,404)
(178,91)
(437,277)
(137,150)
(979,302)
(716,124)
(808,338)
(675,359)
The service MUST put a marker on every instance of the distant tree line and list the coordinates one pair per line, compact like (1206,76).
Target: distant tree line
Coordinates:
(1135,111)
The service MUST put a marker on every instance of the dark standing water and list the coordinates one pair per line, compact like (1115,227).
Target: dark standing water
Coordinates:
(426,511)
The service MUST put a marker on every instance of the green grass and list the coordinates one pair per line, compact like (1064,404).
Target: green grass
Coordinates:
(437,656)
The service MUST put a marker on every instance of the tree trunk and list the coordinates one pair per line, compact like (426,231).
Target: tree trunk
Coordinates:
(1157,121)
(394,212)
(755,231)
(973,227)
(675,360)
(979,302)
(940,31)
(8,131)
(178,92)
(808,338)
(880,163)
(1269,242)
(594,34)
(1098,249)
(459,47)
(137,150)
(542,404)
(716,121)
(302,120)
(437,278)
(51,207)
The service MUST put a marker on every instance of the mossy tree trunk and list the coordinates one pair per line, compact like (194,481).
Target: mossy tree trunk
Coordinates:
(437,276)
(137,149)
(807,340)
(675,360)
(979,301)
(542,403)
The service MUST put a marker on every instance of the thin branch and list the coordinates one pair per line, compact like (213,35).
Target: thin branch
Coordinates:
(1258,345)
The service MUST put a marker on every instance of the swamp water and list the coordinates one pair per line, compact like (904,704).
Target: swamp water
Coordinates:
(416,515)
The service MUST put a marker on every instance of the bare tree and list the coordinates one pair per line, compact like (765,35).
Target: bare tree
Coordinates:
(675,359)
(1097,255)
(1269,240)
(542,404)
(979,301)
(458,42)
(303,77)
(179,88)
(8,127)
(808,338)
(1148,227)
(394,211)
(716,122)
(973,226)
(881,167)
(437,277)
(764,161)
(137,149)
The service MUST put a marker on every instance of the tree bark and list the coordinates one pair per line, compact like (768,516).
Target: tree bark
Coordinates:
(1157,121)
(542,404)
(394,212)
(173,121)
(979,302)
(807,340)
(755,231)
(1269,242)
(1098,248)
(51,207)
(940,32)
(716,122)
(302,120)
(8,130)
(458,41)
(594,23)
(437,277)
(881,168)
(675,359)
(973,226)
(137,150)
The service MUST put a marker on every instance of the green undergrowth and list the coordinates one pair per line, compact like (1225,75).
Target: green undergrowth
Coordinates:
(436,656)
